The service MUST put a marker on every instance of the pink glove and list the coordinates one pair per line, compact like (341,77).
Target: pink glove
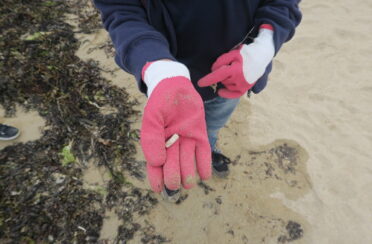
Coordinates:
(239,69)
(173,107)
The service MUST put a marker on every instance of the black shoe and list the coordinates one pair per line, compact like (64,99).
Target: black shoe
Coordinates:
(8,132)
(220,165)
(170,195)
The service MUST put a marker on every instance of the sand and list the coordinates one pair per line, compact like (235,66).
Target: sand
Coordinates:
(30,124)
(318,104)
(302,148)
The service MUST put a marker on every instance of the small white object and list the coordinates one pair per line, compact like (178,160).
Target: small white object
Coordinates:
(82,228)
(172,140)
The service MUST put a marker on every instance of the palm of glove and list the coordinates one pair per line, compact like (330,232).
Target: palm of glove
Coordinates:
(174,107)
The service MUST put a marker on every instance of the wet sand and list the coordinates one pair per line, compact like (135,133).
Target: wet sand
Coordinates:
(29,123)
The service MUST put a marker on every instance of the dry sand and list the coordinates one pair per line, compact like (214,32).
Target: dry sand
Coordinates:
(302,148)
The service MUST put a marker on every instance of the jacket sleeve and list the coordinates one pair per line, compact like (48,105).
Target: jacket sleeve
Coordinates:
(283,15)
(136,41)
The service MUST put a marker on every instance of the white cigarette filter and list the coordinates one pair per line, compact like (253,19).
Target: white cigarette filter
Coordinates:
(172,140)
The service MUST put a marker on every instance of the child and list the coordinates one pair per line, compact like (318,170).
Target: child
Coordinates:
(194,59)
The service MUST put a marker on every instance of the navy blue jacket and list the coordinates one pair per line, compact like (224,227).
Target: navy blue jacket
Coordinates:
(193,32)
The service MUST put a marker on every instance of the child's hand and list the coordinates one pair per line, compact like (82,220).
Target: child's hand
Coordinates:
(239,69)
(173,107)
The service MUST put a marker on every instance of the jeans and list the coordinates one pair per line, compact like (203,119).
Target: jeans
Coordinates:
(217,112)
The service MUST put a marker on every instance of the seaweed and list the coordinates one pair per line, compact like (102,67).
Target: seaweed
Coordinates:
(43,198)
(294,230)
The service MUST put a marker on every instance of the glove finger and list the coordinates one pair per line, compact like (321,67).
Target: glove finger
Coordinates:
(153,140)
(155,176)
(171,168)
(230,86)
(203,160)
(226,93)
(226,59)
(215,76)
(187,162)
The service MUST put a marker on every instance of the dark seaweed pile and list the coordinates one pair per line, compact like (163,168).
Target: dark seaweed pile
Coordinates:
(294,230)
(42,199)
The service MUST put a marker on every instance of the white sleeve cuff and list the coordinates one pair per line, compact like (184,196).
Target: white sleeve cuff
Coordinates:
(266,38)
(163,69)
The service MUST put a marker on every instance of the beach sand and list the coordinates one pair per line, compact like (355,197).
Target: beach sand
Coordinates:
(302,148)
(30,124)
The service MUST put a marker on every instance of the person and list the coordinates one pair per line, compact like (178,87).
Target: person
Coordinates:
(194,60)
(8,133)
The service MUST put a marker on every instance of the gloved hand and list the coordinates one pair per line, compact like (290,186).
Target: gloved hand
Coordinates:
(239,69)
(173,107)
